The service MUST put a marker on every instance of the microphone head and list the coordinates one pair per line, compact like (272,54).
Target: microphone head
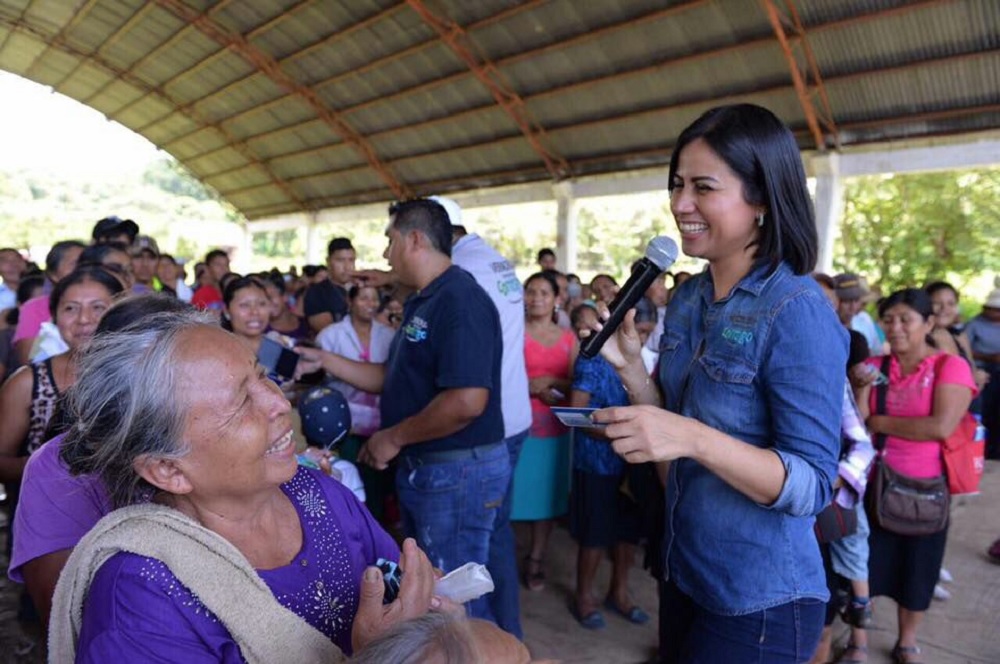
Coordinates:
(662,251)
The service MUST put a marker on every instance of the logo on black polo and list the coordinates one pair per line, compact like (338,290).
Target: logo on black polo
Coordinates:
(415,330)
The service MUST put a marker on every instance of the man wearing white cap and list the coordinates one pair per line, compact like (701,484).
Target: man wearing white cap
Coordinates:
(495,274)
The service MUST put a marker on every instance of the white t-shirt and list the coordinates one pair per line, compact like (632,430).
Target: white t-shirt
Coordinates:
(864,324)
(495,274)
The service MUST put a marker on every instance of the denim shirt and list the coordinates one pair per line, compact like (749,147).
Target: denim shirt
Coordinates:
(765,365)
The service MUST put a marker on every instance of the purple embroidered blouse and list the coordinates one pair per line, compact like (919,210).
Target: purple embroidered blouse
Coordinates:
(137,610)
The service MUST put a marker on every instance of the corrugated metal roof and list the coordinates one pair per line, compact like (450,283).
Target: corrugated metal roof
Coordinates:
(292,105)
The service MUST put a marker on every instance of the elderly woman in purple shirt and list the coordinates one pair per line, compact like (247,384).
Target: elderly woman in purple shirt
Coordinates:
(224,549)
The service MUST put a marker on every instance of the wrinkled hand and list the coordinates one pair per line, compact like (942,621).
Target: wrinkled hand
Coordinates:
(624,346)
(649,433)
(380,449)
(414,600)
(310,361)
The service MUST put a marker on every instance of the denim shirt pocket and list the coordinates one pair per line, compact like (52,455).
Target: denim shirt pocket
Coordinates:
(729,390)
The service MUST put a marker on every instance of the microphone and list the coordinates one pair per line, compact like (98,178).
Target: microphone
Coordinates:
(660,255)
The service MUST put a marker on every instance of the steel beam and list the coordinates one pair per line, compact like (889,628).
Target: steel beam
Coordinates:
(269,66)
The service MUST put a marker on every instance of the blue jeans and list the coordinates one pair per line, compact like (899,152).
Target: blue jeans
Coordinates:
(505,600)
(787,633)
(849,555)
(451,509)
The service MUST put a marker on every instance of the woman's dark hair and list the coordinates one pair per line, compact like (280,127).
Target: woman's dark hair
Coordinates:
(936,286)
(96,254)
(603,275)
(27,287)
(228,278)
(915,298)
(235,286)
(94,273)
(577,312)
(355,290)
(274,280)
(763,153)
(57,254)
(547,276)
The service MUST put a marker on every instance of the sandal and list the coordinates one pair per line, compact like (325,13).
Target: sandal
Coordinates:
(592,621)
(853,654)
(904,654)
(635,615)
(533,581)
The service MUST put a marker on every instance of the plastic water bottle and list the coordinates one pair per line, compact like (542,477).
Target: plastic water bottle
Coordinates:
(980,438)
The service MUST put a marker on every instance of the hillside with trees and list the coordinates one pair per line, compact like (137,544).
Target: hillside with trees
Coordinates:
(897,230)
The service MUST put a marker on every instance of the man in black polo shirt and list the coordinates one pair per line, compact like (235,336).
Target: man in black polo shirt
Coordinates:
(440,396)
(326,302)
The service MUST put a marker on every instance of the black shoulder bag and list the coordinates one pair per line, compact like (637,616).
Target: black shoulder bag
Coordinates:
(899,503)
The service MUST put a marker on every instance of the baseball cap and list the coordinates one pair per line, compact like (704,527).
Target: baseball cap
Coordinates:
(850,286)
(113,225)
(144,243)
(326,418)
(453,209)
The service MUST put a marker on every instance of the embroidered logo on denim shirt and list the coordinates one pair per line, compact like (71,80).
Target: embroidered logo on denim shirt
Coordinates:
(415,330)
(737,336)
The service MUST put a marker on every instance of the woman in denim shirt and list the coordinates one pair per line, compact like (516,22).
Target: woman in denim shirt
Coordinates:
(747,402)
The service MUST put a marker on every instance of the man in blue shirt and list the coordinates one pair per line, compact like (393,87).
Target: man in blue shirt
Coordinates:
(440,396)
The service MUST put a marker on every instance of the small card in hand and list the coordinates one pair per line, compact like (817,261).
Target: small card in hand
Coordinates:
(576,417)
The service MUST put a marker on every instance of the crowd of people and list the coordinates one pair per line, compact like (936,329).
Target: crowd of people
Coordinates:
(162,509)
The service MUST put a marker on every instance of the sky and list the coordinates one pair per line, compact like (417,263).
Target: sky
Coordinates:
(40,128)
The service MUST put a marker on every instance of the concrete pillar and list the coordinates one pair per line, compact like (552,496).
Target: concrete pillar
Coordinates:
(829,206)
(315,254)
(244,253)
(565,226)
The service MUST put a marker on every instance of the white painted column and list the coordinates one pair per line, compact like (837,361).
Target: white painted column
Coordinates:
(244,253)
(829,206)
(566,210)
(314,252)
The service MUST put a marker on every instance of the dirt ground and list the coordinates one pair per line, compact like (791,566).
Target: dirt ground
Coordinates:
(962,630)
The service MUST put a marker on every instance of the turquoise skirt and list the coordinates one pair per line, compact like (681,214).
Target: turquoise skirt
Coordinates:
(542,479)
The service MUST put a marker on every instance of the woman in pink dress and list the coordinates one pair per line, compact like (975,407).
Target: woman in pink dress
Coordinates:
(541,478)
(928,392)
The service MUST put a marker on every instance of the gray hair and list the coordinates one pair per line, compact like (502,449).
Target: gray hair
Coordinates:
(433,637)
(123,404)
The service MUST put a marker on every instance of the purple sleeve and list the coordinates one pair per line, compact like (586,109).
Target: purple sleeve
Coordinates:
(55,509)
(137,611)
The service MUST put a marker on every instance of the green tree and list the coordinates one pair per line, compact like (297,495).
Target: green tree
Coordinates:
(906,230)
(170,176)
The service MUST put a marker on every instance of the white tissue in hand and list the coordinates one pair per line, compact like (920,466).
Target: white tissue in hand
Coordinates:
(465,583)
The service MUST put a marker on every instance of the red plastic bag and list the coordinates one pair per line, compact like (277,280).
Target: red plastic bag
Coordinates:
(963,453)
